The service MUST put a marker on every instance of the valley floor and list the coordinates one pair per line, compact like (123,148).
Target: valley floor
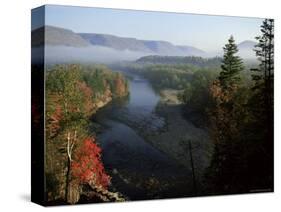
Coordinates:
(174,140)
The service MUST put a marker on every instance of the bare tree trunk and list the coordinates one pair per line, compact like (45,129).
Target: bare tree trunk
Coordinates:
(68,167)
(67,179)
(70,188)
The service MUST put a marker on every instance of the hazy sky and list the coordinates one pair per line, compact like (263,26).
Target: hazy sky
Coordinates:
(205,32)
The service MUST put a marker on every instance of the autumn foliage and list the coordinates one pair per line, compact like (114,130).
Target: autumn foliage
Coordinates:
(87,166)
(87,93)
(73,94)
(120,85)
(54,120)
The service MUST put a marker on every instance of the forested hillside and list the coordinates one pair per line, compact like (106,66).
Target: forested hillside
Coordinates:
(241,119)
(237,101)
(73,157)
(234,100)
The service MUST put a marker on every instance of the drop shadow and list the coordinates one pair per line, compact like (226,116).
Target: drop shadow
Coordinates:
(25,197)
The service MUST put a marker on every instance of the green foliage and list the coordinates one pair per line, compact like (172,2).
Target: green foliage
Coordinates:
(242,122)
(196,94)
(263,76)
(163,76)
(62,81)
(262,101)
(265,52)
(192,75)
(231,66)
(192,61)
(228,117)
(173,72)
(167,76)
(73,94)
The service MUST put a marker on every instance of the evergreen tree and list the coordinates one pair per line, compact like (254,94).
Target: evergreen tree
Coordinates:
(261,103)
(231,65)
(263,76)
(225,121)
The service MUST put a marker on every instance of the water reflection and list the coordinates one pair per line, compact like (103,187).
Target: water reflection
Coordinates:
(139,170)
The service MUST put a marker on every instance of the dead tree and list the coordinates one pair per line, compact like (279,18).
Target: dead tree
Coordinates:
(71,140)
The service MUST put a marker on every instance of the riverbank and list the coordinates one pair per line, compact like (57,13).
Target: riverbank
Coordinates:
(139,170)
(174,141)
(145,142)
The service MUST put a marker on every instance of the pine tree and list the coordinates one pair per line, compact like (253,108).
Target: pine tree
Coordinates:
(263,76)
(259,135)
(262,99)
(224,119)
(231,65)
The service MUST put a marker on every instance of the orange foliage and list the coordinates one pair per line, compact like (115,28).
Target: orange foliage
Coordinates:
(87,166)
(55,117)
(88,97)
(120,86)
(220,94)
(224,113)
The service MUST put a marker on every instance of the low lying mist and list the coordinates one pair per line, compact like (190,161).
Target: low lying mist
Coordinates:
(99,54)
(96,54)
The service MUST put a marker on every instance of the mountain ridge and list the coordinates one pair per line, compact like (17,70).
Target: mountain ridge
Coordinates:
(62,37)
(52,35)
(57,36)
(247,44)
(133,44)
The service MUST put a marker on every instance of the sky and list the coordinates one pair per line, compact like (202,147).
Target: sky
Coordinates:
(206,32)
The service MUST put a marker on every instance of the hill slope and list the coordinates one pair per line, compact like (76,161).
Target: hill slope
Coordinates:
(247,44)
(56,36)
(133,44)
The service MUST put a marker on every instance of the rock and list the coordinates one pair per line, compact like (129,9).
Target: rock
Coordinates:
(73,195)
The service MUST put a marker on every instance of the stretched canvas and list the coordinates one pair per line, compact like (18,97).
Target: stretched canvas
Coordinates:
(139,105)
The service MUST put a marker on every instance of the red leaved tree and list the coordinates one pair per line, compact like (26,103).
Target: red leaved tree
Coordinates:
(87,97)
(87,167)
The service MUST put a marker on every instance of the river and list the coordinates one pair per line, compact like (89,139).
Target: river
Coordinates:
(138,169)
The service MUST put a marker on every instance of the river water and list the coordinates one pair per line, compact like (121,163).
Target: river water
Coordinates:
(139,170)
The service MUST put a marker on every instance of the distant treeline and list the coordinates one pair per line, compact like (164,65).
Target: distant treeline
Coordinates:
(177,77)
(193,75)
(176,60)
